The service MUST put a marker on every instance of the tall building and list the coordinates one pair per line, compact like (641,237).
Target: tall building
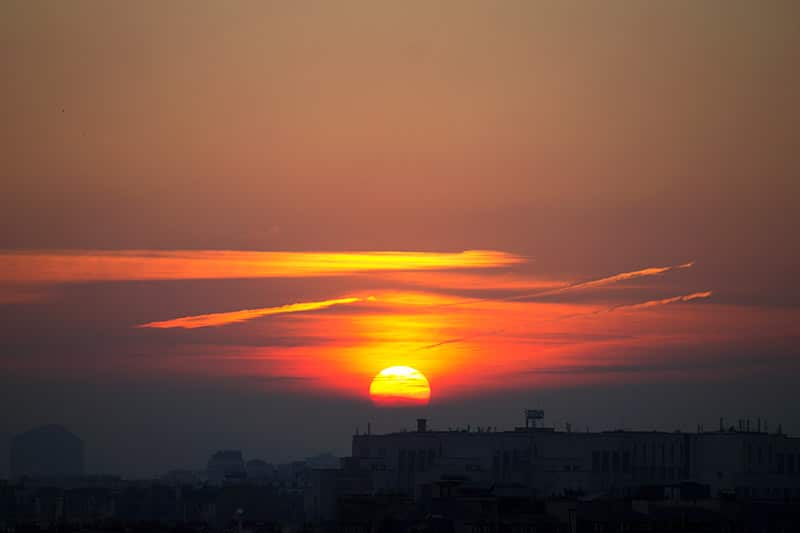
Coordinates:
(226,465)
(259,470)
(46,452)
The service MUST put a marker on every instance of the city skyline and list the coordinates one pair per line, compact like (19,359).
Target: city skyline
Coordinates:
(53,454)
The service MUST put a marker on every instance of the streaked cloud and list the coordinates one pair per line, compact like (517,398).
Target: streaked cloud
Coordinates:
(499,281)
(413,309)
(635,306)
(459,339)
(664,301)
(616,278)
(582,285)
(86,266)
(220,319)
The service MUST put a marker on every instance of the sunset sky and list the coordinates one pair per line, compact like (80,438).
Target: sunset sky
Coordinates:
(220,220)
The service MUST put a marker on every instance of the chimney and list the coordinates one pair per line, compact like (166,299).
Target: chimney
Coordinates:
(422,425)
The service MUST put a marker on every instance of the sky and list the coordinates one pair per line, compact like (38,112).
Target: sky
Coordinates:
(220,220)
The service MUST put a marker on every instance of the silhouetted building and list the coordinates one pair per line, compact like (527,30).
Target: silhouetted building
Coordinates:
(46,452)
(226,465)
(534,478)
(549,463)
(180,478)
(259,470)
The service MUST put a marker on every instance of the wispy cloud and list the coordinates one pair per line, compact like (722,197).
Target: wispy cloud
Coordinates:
(642,305)
(459,339)
(664,301)
(631,307)
(616,278)
(85,266)
(220,319)
(590,284)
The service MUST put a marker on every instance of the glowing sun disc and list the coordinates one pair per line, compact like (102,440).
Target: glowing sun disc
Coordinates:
(400,386)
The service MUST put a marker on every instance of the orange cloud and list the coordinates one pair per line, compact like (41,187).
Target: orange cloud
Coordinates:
(652,271)
(485,347)
(642,305)
(623,276)
(220,319)
(82,266)
(470,281)
(665,301)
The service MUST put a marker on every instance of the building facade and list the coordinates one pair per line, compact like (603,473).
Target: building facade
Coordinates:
(541,462)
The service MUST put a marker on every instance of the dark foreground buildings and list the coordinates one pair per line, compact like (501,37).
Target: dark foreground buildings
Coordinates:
(548,463)
(537,479)
(531,479)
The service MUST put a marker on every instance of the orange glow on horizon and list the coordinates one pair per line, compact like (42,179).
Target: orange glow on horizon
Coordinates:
(400,386)
(465,344)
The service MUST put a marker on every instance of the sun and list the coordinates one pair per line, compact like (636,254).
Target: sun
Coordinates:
(400,386)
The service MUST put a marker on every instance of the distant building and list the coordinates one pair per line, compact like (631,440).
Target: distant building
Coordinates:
(260,470)
(46,452)
(323,460)
(180,477)
(226,465)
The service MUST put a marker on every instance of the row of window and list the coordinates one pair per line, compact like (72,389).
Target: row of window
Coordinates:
(415,460)
(510,460)
(652,453)
(769,492)
(611,461)
(787,463)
